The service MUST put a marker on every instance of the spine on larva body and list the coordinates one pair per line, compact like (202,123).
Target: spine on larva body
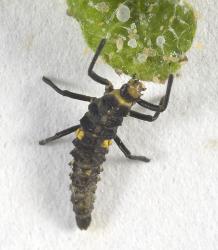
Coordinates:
(86,169)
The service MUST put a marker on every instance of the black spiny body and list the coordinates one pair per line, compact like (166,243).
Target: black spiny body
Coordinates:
(97,128)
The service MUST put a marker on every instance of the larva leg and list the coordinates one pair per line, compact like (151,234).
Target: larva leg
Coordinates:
(164,101)
(66,92)
(140,116)
(59,135)
(92,74)
(158,108)
(127,153)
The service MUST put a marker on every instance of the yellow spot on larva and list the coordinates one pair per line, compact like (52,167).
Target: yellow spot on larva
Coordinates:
(106,144)
(120,99)
(80,134)
(88,172)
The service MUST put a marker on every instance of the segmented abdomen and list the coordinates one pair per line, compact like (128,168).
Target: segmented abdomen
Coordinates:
(88,158)
(98,127)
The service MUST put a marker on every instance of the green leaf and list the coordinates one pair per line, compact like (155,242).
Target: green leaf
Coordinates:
(148,38)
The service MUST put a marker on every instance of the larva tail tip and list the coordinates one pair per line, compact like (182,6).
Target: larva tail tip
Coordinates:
(83,223)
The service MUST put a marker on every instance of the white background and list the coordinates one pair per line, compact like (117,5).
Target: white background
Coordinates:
(170,203)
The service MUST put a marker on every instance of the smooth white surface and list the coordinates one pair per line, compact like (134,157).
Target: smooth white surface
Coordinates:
(170,203)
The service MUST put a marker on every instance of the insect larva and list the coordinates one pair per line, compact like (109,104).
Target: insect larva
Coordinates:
(96,131)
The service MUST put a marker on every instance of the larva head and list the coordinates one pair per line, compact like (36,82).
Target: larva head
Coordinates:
(135,88)
(132,90)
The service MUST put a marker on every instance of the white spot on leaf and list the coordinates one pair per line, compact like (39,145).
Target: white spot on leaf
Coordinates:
(119,44)
(123,13)
(160,41)
(132,43)
(133,26)
(142,57)
(108,35)
(103,7)
(91,4)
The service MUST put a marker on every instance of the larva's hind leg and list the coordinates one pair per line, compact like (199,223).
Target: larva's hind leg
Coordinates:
(127,153)
(59,135)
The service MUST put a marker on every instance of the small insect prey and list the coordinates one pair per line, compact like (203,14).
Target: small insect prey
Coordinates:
(96,131)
